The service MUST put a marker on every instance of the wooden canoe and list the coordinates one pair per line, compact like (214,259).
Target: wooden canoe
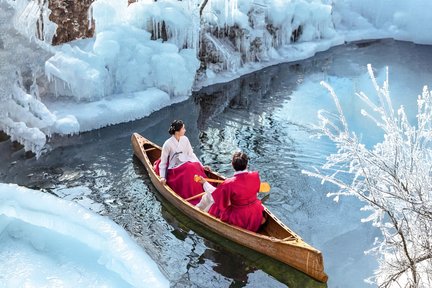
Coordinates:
(274,239)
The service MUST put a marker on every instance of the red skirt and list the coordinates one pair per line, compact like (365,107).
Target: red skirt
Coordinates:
(248,216)
(181,179)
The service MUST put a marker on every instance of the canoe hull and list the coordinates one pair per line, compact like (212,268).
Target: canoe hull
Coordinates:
(280,242)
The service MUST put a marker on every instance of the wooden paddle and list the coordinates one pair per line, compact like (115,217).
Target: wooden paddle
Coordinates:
(264,186)
(195,196)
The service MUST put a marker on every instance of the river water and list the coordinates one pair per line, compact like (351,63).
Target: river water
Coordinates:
(268,114)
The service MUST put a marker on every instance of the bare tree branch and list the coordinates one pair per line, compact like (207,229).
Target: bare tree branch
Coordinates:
(394,180)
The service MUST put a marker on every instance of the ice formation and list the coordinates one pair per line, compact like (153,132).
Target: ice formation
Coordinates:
(154,53)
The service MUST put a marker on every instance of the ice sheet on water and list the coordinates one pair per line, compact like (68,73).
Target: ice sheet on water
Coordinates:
(108,111)
(57,242)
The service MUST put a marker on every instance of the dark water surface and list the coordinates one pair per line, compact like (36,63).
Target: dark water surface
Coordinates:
(269,115)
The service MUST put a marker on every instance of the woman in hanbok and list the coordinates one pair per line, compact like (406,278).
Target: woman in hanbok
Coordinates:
(178,164)
(235,200)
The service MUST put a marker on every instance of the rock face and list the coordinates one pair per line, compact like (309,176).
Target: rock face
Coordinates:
(71,18)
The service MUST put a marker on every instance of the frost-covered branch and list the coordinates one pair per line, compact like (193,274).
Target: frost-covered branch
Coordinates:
(393,179)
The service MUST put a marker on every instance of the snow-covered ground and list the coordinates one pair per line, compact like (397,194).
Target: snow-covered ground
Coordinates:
(52,242)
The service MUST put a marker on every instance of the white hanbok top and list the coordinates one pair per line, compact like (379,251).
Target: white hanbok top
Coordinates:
(176,153)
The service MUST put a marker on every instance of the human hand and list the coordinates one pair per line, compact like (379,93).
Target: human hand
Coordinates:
(207,168)
(162,180)
(200,179)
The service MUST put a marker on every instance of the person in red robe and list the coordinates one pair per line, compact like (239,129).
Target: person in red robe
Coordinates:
(235,200)
(178,164)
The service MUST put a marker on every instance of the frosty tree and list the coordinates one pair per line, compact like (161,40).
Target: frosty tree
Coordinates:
(393,179)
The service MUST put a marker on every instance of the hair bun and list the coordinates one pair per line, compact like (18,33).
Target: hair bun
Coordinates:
(176,125)
(171,130)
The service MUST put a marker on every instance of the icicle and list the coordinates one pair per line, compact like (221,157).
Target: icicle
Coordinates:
(90,17)
(32,20)
(34,89)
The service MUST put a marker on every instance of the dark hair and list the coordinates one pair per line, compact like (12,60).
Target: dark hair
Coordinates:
(176,125)
(239,161)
